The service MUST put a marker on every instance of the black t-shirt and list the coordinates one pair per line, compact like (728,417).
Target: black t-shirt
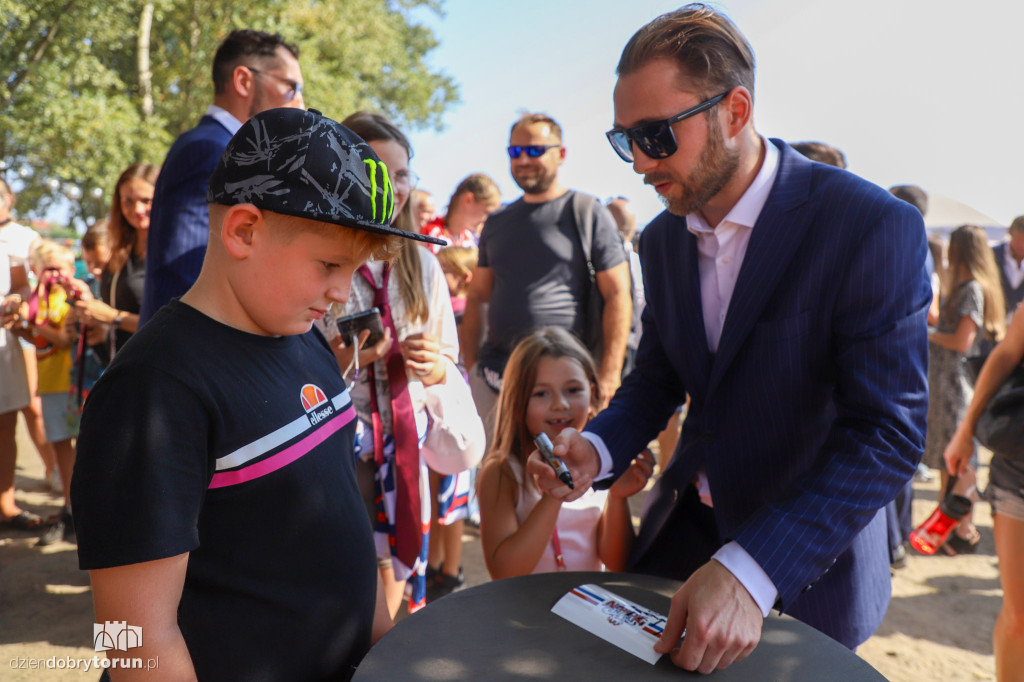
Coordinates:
(236,448)
(539,269)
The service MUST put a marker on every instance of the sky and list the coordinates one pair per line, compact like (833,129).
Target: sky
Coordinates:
(925,92)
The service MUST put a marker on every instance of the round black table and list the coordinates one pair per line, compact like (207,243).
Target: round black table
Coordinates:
(504,630)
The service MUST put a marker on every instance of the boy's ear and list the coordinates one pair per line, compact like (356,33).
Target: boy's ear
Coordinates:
(239,227)
(467,278)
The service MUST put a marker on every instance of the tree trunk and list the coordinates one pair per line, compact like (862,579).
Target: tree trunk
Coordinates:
(145,75)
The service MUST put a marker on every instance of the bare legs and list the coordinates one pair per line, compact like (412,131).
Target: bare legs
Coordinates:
(1008,635)
(8,460)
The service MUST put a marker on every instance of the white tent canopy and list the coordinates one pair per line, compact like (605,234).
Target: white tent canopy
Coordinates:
(945,215)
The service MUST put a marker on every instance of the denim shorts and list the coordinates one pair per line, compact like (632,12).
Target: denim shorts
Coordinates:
(1006,488)
(60,416)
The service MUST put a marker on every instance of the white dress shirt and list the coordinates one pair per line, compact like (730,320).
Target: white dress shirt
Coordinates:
(223,117)
(721,250)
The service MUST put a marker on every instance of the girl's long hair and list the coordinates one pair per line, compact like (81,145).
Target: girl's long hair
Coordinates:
(121,235)
(968,246)
(511,437)
(406,265)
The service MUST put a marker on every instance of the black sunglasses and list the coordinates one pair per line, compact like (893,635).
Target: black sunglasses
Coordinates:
(656,138)
(295,87)
(534,151)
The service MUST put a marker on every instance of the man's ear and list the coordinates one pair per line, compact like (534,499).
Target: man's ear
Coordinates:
(739,110)
(243,81)
(239,229)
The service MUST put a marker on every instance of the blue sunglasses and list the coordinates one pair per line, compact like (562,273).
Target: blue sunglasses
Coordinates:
(534,151)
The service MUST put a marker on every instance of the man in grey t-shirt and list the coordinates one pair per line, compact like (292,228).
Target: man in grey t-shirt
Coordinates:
(532,268)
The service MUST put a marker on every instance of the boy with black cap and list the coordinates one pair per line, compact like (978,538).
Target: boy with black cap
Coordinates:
(214,492)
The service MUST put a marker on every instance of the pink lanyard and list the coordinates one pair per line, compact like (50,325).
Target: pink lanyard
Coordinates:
(559,561)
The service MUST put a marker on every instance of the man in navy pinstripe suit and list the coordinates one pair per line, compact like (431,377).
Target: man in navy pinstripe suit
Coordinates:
(787,299)
(252,71)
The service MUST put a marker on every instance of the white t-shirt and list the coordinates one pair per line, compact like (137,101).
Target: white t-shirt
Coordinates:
(18,241)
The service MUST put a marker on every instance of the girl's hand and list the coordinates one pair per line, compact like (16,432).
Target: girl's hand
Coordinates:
(635,477)
(958,453)
(345,352)
(423,358)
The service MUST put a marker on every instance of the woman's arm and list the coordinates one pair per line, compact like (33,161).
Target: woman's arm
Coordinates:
(511,549)
(1000,363)
(960,340)
(98,311)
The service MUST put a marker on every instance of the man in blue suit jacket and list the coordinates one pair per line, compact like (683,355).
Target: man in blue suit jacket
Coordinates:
(252,71)
(787,299)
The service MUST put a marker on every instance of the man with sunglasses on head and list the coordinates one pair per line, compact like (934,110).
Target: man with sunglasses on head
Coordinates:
(533,268)
(787,298)
(252,71)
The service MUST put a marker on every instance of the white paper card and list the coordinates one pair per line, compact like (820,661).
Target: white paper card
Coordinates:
(629,626)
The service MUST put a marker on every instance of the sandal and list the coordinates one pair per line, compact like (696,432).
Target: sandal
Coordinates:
(958,544)
(23,521)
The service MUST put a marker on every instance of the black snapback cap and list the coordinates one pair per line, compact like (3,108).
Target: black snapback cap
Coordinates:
(301,163)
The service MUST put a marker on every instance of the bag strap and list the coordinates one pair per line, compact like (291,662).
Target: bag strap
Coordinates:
(583,216)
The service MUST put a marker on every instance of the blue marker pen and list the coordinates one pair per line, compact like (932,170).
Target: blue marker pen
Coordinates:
(547,451)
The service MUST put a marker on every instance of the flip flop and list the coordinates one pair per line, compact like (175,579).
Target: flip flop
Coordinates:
(958,544)
(23,521)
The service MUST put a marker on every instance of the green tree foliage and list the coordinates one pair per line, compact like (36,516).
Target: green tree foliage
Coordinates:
(73,99)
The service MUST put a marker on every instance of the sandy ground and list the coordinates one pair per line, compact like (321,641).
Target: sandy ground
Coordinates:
(938,626)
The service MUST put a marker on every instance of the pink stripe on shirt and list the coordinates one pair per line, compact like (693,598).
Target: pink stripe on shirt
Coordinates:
(286,456)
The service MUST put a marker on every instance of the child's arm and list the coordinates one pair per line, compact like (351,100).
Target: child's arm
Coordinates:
(511,549)
(60,337)
(146,595)
(961,340)
(615,530)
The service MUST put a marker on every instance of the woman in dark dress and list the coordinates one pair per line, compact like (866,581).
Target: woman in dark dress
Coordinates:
(113,319)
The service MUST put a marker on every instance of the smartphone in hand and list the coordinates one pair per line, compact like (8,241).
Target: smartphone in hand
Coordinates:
(351,326)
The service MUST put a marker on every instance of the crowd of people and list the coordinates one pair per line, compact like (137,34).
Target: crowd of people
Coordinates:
(797,317)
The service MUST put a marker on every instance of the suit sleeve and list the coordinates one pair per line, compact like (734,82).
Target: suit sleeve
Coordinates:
(180,223)
(880,357)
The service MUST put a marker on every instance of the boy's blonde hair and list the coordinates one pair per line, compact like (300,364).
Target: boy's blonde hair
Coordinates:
(49,254)
(461,260)
(511,437)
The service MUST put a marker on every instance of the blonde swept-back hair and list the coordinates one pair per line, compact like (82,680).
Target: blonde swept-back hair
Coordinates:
(706,46)
(406,265)
(511,437)
(120,234)
(968,246)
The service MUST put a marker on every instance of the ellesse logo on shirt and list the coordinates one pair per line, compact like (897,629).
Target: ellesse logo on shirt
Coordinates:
(315,403)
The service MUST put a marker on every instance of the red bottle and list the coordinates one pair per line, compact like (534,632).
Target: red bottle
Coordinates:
(930,535)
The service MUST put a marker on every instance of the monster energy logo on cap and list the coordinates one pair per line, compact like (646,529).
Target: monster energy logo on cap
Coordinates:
(304,164)
(388,190)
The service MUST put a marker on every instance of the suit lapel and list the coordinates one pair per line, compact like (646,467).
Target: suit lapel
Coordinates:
(776,235)
(686,284)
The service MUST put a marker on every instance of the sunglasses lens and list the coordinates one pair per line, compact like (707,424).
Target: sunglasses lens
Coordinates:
(656,140)
(620,143)
(535,151)
(514,152)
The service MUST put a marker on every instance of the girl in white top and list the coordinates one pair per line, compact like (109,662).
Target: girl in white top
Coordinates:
(550,384)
